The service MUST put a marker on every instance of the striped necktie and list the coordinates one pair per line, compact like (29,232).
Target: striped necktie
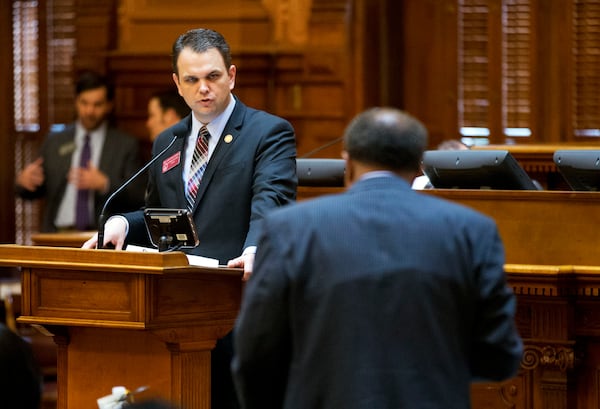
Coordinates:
(82,210)
(199,162)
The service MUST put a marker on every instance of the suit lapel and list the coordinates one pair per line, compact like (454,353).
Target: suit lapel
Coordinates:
(175,177)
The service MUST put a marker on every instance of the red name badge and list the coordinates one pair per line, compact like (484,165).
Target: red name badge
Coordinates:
(171,162)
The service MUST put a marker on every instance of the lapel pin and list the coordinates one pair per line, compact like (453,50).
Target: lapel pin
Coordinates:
(66,148)
(228,138)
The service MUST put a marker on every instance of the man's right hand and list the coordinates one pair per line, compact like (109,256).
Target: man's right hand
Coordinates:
(32,176)
(115,231)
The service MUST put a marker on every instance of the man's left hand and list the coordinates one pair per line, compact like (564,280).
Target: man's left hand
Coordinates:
(245,261)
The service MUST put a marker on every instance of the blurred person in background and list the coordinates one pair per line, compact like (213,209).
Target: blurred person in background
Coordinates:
(80,167)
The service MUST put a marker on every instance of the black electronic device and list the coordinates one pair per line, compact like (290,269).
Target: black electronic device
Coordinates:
(579,168)
(320,172)
(171,229)
(475,169)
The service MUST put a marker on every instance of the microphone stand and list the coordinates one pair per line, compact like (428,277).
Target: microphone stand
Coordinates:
(103,216)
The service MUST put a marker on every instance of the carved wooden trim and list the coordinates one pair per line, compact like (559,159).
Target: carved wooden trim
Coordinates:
(558,356)
(508,393)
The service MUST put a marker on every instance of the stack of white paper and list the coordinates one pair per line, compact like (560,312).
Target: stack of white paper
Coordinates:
(192,259)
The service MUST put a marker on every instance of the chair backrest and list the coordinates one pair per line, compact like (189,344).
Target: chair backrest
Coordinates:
(320,172)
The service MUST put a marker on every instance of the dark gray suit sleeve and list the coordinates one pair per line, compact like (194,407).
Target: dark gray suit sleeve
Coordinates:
(262,335)
(497,348)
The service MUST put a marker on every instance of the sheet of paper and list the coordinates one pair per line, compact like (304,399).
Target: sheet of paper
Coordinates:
(192,259)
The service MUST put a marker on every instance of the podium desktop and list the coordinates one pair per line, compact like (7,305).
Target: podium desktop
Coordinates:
(123,318)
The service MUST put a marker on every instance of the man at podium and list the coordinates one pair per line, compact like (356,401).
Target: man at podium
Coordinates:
(230,165)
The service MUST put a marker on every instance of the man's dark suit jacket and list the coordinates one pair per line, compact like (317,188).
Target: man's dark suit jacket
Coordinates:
(380,297)
(251,171)
(119,160)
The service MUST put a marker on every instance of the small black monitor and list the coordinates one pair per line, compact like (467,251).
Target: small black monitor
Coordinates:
(475,169)
(320,172)
(579,168)
(171,229)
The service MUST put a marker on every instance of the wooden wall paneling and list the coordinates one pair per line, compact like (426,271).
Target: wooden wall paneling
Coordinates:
(310,85)
(7,132)
(96,33)
(378,53)
(551,76)
(152,25)
(260,73)
(363,52)
(136,77)
(448,95)
(495,69)
(393,54)
(306,89)
(316,101)
(563,131)
(331,88)
(255,79)
(429,66)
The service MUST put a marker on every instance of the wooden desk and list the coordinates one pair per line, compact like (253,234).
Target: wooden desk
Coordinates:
(539,227)
(124,318)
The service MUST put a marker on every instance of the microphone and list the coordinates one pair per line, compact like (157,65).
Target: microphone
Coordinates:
(179,131)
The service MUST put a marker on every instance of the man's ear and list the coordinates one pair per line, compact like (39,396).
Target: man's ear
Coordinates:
(176,81)
(349,169)
(231,73)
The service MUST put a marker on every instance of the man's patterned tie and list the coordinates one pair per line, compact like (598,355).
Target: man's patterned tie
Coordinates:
(199,162)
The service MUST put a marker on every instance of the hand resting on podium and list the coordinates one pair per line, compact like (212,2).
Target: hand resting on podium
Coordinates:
(115,231)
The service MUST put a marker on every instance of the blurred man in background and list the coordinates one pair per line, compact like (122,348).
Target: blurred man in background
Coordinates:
(81,166)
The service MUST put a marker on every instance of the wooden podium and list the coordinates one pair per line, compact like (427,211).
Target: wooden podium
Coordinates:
(128,319)
(65,239)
